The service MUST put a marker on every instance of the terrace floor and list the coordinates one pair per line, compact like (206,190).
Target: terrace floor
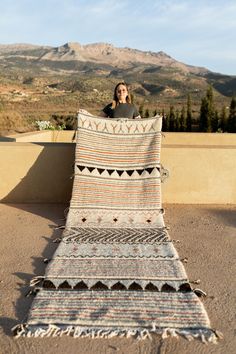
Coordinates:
(207,235)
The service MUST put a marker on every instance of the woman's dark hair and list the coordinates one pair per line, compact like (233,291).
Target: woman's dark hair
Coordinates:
(115,101)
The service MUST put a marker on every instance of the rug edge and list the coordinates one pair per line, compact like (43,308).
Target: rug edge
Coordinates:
(205,335)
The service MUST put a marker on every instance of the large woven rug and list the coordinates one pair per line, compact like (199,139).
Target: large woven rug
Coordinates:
(116,270)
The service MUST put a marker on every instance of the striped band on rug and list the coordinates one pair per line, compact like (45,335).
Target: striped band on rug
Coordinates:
(110,313)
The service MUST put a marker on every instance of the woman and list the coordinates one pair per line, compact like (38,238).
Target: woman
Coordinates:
(121,106)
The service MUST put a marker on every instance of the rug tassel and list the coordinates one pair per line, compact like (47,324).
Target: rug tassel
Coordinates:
(57,240)
(31,292)
(218,334)
(19,330)
(205,335)
(199,292)
(197,281)
(60,227)
(66,211)
(164,175)
(36,280)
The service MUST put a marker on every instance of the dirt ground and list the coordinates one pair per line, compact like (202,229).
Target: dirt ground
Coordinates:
(207,237)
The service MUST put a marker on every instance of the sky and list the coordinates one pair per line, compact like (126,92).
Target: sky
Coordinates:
(195,32)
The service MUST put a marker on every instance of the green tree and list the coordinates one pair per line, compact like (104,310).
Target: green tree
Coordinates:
(28,80)
(164,121)
(132,98)
(167,122)
(223,120)
(171,119)
(211,106)
(204,122)
(141,110)
(215,122)
(155,112)
(231,126)
(189,114)
(146,115)
(182,120)
(207,111)
(177,121)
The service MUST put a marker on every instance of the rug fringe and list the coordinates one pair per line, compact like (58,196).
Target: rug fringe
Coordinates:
(59,227)
(36,280)
(205,335)
(199,292)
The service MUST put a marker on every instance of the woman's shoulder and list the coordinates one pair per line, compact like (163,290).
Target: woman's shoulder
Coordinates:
(108,110)
(108,105)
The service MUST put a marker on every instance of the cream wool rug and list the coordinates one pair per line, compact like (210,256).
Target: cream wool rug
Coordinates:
(116,270)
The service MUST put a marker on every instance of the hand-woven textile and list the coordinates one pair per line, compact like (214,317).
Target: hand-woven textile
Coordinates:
(116,271)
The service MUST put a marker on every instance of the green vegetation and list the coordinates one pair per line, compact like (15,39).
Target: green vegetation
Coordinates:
(231,126)
(36,89)
(189,114)
(209,119)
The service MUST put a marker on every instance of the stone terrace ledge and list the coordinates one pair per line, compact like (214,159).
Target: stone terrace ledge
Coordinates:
(37,167)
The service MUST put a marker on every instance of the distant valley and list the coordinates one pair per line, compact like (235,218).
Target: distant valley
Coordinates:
(39,82)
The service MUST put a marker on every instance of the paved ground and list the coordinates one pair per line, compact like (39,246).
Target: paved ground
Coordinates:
(208,240)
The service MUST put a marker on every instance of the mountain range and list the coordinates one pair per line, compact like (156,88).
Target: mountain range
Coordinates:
(87,74)
(104,59)
(99,53)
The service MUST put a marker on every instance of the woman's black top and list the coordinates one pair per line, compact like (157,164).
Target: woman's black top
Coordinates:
(122,110)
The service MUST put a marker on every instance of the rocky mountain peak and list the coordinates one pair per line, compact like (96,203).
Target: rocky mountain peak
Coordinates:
(73,46)
(105,53)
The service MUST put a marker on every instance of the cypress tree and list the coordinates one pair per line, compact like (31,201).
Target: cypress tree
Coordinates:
(146,115)
(177,121)
(163,112)
(164,126)
(207,112)
(204,119)
(154,112)
(189,114)
(141,110)
(215,122)
(204,122)
(231,126)
(172,119)
(211,108)
(223,120)
(167,119)
(183,125)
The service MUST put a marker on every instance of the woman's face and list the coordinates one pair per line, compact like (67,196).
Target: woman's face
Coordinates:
(121,93)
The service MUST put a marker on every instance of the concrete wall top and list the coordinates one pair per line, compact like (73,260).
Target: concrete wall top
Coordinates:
(198,139)
(66,136)
(42,136)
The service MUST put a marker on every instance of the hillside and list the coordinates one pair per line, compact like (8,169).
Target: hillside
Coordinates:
(37,82)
